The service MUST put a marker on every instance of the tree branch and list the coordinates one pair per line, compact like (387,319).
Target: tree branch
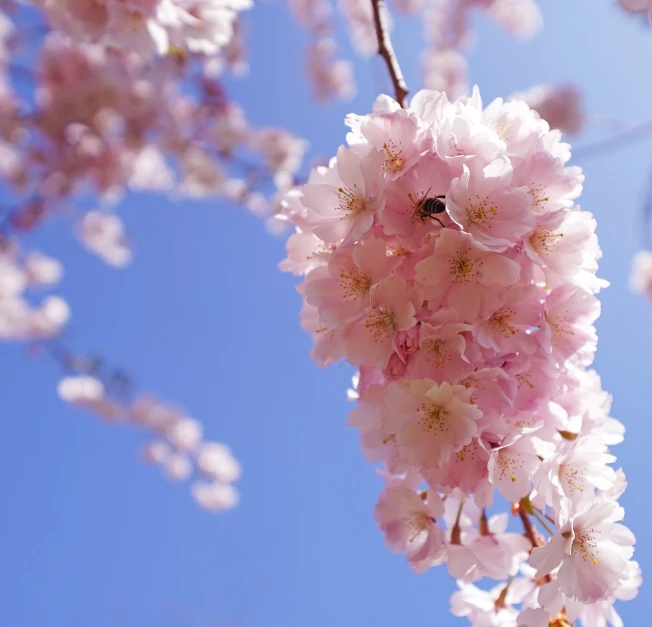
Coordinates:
(386,51)
(628,136)
(529,529)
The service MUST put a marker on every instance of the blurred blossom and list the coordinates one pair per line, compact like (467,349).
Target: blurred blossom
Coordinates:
(330,77)
(181,451)
(150,171)
(216,461)
(104,235)
(156,452)
(178,466)
(641,277)
(409,7)
(200,175)
(446,71)
(215,496)
(360,21)
(560,106)
(185,434)
(42,270)
(637,6)
(87,392)
(20,320)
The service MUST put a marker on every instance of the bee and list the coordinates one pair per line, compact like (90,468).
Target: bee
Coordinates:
(429,207)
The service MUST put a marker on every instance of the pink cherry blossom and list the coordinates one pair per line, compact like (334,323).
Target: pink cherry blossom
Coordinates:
(480,545)
(484,204)
(371,338)
(342,201)
(512,465)
(345,290)
(409,521)
(465,275)
(569,314)
(592,550)
(571,476)
(431,421)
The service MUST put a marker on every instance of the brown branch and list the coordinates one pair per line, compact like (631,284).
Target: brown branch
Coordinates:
(386,51)
(531,534)
(628,136)
(529,529)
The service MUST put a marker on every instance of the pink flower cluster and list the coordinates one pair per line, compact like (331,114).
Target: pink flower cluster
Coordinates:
(108,120)
(330,76)
(448,34)
(178,445)
(445,257)
(20,317)
(148,26)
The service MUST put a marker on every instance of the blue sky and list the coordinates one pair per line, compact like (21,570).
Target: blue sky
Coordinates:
(90,537)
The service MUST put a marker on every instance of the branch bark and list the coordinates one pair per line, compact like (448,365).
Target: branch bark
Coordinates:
(386,51)
(529,529)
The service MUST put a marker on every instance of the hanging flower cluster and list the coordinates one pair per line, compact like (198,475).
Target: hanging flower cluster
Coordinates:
(445,257)
(148,26)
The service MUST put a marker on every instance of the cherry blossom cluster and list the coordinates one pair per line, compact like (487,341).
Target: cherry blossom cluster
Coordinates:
(448,35)
(330,76)
(88,112)
(92,117)
(444,255)
(178,445)
(148,27)
(22,275)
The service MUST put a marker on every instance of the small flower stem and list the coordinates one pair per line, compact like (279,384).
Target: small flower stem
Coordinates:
(456,531)
(386,51)
(528,527)
(542,522)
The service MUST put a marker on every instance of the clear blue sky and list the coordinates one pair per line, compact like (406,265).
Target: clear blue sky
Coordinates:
(90,537)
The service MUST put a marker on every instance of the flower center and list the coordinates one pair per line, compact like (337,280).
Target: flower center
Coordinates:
(573,478)
(583,544)
(381,322)
(538,195)
(479,213)
(546,241)
(437,352)
(394,157)
(500,321)
(560,326)
(351,202)
(354,284)
(419,522)
(462,265)
(505,464)
(433,418)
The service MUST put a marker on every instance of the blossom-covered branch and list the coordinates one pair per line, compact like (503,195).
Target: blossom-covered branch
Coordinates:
(177,443)
(455,270)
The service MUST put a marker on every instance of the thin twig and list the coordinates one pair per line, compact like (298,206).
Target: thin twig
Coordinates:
(529,529)
(386,51)
(633,134)
(542,522)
